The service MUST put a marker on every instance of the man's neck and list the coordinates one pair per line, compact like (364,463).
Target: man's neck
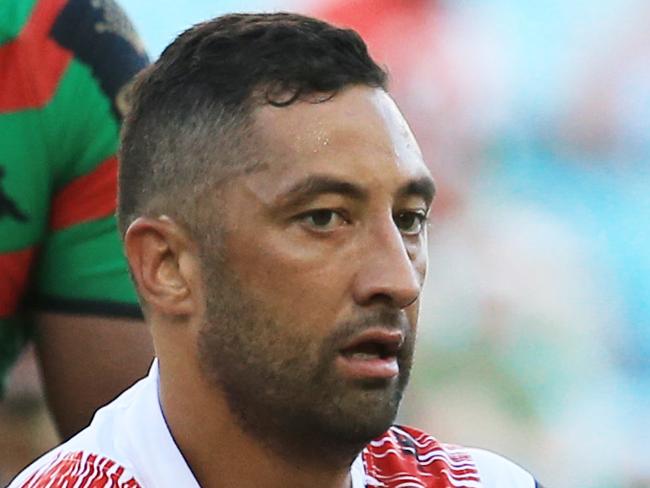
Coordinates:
(219,453)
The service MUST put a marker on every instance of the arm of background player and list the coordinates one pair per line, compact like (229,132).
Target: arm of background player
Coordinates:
(87,361)
(89,333)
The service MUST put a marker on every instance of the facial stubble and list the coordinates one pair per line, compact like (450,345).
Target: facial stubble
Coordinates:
(280,382)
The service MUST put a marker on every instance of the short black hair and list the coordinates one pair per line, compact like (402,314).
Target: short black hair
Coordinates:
(191,108)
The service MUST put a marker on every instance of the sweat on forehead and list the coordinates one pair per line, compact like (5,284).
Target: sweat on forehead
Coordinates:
(190,110)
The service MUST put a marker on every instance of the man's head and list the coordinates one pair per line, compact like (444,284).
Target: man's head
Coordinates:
(273,201)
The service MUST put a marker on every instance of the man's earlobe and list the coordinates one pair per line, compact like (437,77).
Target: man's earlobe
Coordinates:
(155,249)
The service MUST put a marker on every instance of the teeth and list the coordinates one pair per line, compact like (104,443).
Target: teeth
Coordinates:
(364,355)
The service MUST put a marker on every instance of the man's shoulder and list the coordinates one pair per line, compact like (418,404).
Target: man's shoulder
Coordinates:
(497,471)
(96,456)
(62,468)
(406,454)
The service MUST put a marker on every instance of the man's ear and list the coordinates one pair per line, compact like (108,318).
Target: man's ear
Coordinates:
(163,261)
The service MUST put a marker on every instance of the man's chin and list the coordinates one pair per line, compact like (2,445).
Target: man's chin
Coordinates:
(368,412)
(378,385)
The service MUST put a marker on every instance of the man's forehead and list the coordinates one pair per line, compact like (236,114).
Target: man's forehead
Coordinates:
(359,118)
(357,137)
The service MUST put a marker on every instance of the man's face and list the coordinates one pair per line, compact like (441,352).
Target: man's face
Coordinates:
(312,292)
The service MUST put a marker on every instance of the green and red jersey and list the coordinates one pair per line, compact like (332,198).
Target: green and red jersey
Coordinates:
(63,67)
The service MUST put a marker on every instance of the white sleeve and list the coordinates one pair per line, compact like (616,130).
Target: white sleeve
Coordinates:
(498,472)
(32,470)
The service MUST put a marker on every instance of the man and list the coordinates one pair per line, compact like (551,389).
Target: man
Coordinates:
(63,279)
(273,203)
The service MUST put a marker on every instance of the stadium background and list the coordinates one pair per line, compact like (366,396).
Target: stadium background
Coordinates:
(535,119)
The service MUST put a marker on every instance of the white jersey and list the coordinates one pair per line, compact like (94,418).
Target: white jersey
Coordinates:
(128,445)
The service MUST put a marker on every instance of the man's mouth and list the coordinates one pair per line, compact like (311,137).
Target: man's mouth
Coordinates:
(372,354)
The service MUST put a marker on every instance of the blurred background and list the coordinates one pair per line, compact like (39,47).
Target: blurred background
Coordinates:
(534,117)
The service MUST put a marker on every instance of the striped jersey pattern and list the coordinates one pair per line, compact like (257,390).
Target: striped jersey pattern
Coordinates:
(63,67)
(407,458)
(79,469)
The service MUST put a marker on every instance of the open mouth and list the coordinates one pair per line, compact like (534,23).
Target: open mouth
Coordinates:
(372,354)
(372,349)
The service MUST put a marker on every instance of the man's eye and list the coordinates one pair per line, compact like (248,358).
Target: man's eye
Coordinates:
(410,223)
(323,219)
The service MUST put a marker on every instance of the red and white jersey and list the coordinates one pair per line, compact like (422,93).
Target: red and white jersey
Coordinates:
(128,445)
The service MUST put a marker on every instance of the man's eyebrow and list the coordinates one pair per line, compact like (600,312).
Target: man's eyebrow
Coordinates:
(315,185)
(423,187)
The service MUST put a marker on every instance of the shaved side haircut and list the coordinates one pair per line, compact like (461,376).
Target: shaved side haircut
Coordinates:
(190,123)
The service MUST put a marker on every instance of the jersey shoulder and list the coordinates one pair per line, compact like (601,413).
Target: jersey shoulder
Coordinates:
(93,458)
(497,471)
(77,468)
(99,34)
(408,455)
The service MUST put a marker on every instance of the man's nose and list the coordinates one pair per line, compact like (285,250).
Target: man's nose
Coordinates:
(387,271)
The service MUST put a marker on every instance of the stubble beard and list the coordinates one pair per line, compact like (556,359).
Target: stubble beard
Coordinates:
(282,387)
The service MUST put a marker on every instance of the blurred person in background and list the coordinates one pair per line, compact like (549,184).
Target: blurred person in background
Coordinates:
(64,282)
(273,203)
